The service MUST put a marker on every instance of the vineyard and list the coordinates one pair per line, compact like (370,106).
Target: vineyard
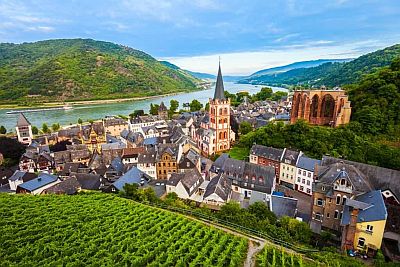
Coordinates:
(104,230)
(278,257)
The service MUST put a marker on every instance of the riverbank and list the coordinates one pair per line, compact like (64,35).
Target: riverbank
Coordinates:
(86,102)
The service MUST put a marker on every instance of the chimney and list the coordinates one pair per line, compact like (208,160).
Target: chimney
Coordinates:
(315,170)
(350,230)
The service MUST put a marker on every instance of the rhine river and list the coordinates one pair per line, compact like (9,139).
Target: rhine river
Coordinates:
(99,111)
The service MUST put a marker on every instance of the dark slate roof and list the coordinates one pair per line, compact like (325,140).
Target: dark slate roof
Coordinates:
(171,149)
(219,86)
(329,174)
(267,152)
(188,179)
(132,152)
(133,176)
(233,167)
(148,156)
(88,181)
(42,180)
(219,163)
(284,206)
(22,175)
(150,141)
(380,178)
(290,156)
(117,165)
(22,120)
(373,210)
(5,175)
(307,163)
(71,167)
(219,185)
(69,186)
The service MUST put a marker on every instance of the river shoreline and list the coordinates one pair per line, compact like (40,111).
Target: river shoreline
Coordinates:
(87,102)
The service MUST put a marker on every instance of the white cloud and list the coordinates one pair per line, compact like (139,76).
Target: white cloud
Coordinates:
(44,29)
(245,63)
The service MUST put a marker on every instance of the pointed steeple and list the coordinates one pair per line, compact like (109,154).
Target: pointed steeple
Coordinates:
(22,120)
(219,86)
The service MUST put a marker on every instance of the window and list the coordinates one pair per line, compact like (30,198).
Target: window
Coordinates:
(341,215)
(318,216)
(369,228)
(337,199)
(308,191)
(320,202)
(304,173)
(336,215)
(301,188)
(328,215)
(308,182)
(309,174)
(298,179)
(323,188)
(303,181)
(343,182)
(344,200)
(361,242)
(300,172)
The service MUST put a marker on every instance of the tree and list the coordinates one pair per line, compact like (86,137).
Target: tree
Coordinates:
(90,121)
(265,93)
(195,105)
(80,121)
(154,109)
(136,113)
(207,107)
(245,127)
(55,127)
(262,212)
(11,149)
(45,128)
(3,130)
(173,105)
(60,146)
(35,130)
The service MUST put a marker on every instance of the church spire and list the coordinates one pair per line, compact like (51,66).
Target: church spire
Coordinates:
(219,86)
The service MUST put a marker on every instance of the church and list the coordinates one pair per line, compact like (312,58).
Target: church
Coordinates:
(214,134)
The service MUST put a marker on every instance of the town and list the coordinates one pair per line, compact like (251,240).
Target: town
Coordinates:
(187,155)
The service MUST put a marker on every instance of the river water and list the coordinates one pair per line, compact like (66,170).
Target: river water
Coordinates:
(99,111)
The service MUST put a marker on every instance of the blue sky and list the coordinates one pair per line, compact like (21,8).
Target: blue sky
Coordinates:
(248,35)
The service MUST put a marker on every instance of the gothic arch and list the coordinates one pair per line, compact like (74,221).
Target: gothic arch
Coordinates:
(296,101)
(314,106)
(304,100)
(327,106)
(341,104)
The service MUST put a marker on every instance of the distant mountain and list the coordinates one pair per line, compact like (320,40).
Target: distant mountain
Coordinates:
(297,65)
(331,73)
(83,69)
(201,75)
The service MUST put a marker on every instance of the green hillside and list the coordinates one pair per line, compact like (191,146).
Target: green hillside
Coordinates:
(104,230)
(332,74)
(83,69)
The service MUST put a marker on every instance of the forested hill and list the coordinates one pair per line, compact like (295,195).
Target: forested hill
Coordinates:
(82,69)
(332,74)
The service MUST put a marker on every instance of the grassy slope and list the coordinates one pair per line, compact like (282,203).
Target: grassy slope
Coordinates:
(82,69)
(104,230)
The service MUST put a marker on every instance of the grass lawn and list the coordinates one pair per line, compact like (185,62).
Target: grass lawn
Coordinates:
(239,153)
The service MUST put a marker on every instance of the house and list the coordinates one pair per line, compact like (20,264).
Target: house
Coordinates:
(89,181)
(69,186)
(288,167)
(114,126)
(72,167)
(218,191)
(333,186)
(24,130)
(168,158)
(115,169)
(248,177)
(131,155)
(37,185)
(305,174)
(363,221)
(267,156)
(147,162)
(132,139)
(20,177)
(5,174)
(133,176)
(185,184)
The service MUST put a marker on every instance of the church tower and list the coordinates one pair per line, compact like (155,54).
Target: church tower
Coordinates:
(24,130)
(220,109)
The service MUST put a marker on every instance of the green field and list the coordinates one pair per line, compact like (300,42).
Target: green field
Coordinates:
(104,230)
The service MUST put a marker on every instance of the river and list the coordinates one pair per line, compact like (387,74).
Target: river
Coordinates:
(99,111)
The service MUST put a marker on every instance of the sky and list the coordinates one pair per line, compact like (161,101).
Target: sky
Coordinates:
(247,35)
